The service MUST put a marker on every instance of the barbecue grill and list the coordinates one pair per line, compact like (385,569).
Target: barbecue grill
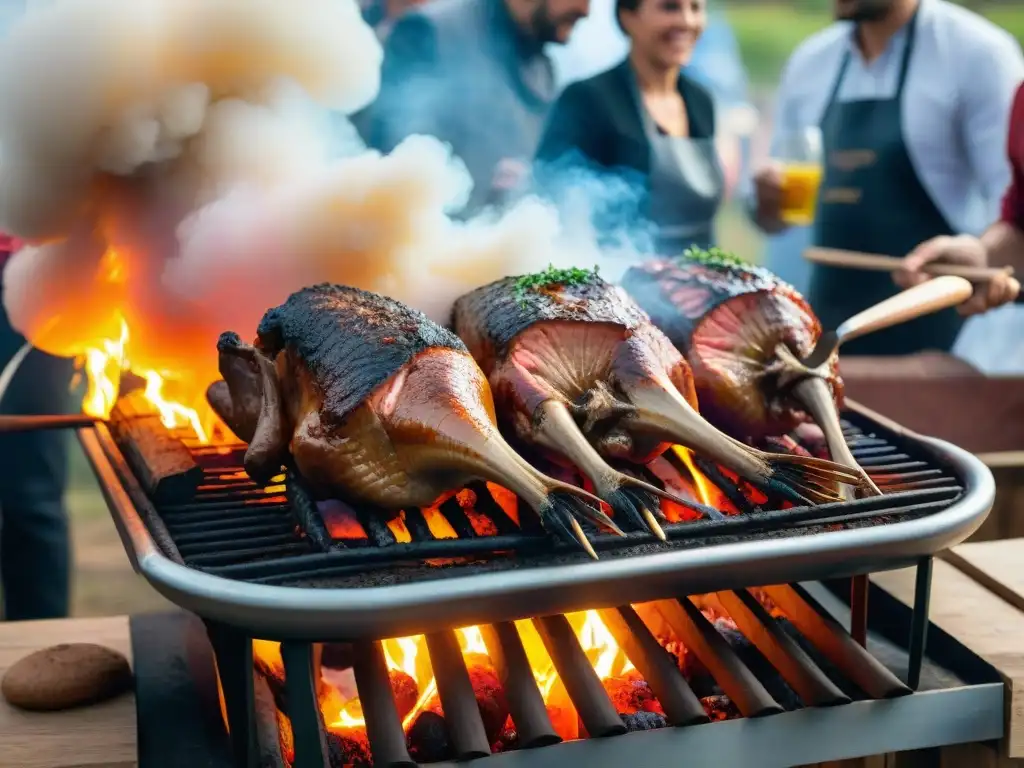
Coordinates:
(258,562)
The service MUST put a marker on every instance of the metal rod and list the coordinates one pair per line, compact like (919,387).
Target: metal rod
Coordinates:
(699,636)
(300,682)
(525,703)
(46,421)
(458,699)
(486,505)
(383,725)
(457,518)
(376,529)
(919,621)
(833,642)
(417,526)
(577,673)
(681,705)
(697,529)
(859,609)
(232,652)
(797,668)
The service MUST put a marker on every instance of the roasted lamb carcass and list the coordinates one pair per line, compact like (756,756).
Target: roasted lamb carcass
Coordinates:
(371,401)
(749,338)
(579,371)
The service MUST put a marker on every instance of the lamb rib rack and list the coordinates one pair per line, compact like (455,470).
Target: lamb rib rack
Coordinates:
(371,401)
(579,371)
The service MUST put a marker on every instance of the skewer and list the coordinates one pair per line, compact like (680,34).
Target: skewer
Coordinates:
(51,421)
(878,263)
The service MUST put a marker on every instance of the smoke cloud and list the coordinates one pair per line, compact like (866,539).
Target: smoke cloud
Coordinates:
(175,166)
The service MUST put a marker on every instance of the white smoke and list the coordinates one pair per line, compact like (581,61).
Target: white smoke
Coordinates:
(171,163)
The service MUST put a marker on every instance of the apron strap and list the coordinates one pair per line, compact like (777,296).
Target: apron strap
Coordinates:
(908,49)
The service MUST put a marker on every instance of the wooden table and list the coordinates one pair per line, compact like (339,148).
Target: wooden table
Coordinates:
(977,597)
(100,735)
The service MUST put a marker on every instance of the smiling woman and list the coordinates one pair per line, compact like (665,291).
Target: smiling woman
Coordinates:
(645,118)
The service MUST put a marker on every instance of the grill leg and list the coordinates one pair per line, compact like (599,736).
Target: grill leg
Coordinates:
(859,609)
(303,707)
(233,652)
(919,622)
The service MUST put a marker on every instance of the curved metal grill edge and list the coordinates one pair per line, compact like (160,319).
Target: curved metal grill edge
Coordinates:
(335,614)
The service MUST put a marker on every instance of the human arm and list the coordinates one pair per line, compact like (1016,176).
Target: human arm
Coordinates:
(764,203)
(1002,245)
(410,85)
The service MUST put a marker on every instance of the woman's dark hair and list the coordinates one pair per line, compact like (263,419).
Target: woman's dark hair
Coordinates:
(625,5)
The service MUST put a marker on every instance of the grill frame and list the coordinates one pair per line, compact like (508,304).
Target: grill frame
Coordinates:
(343,614)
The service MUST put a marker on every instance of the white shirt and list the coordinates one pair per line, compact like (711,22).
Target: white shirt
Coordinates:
(963,73)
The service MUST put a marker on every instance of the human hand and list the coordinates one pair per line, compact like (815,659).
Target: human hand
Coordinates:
(963,250)
(768,186)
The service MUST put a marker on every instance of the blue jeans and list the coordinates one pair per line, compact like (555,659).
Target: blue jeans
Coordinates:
(35,548)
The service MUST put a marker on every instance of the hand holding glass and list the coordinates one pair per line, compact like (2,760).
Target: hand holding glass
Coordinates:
(800,154)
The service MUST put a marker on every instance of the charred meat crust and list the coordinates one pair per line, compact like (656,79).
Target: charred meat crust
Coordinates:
(678,294)
(350,340)
(496,314)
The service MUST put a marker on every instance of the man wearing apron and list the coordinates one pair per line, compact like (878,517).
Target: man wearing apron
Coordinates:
(913,126)
(474,74)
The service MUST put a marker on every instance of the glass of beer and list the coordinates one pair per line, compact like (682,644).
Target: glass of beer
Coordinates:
(800,154)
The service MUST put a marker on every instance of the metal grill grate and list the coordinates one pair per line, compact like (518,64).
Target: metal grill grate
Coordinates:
(237,529)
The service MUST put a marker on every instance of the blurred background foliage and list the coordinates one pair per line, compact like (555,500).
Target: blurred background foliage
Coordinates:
(769,31)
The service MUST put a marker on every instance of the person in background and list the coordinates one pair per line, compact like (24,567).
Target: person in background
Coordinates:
(1001,245)
(991,339)
(598,43)
(645,116)
(912,98)
(473,73)
(35,550)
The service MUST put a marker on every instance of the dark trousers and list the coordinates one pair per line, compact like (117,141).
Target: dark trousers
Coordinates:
(35,548)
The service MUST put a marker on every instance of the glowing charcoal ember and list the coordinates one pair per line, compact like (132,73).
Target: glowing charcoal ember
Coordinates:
(644,721)
(631,693)
(340,520)
(505,499)
(720,707)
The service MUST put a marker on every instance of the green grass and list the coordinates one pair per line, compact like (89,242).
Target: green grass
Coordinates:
(769,32)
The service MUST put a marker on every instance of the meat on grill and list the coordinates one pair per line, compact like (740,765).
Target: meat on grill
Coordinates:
(744,332)
(371,401)
(578,370)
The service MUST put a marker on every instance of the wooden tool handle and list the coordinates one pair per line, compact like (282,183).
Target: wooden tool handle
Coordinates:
(876,262)
(931,296)
(33,423)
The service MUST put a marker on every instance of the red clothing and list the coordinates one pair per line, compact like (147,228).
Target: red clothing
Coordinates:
(1013,202)
(8,245)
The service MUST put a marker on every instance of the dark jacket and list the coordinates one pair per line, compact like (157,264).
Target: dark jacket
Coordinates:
(600,119)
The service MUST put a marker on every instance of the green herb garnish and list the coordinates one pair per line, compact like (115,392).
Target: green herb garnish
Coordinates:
(715,257)
(552,276)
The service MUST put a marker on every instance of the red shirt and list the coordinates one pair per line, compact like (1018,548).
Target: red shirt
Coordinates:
(8,245)
(1013,202)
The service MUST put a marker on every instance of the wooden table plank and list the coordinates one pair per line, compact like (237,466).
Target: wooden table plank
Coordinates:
(982,621)
(89,737)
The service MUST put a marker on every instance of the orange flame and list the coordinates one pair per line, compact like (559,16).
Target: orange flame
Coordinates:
(707,493)
(103,366)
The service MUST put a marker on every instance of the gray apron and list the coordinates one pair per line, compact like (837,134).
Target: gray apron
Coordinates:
(686,187)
